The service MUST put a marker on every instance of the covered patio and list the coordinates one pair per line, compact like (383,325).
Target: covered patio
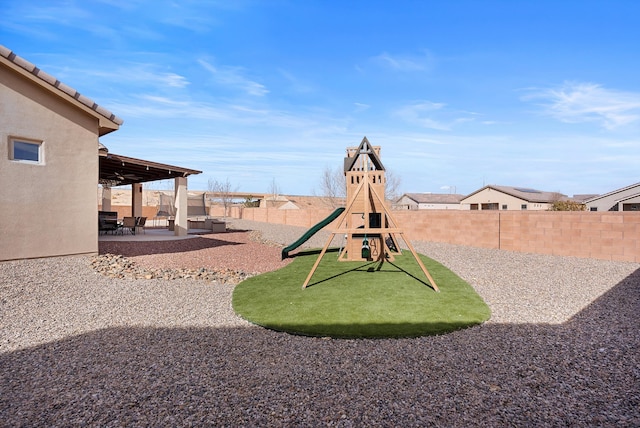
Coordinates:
(119,170)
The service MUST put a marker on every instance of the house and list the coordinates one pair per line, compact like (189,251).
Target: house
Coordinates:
(625,199)
(48,163)
(428,201)
(288,206)
(51,163)
(493,197)
(273,201)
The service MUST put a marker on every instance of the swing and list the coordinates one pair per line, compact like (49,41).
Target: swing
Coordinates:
(366,250)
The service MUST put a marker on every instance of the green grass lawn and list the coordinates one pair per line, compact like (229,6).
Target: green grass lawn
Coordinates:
(359,299)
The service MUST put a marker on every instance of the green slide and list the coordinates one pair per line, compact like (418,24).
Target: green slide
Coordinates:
(309,233)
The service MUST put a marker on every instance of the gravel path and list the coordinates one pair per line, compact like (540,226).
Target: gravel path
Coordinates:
(81,348)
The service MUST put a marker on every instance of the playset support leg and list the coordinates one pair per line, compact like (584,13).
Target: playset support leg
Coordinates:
(315,265)
(424,269)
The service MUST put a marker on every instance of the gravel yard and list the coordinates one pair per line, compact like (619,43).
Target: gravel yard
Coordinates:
(78,347)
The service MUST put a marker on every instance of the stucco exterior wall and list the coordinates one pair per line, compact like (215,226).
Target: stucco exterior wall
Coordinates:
(406,203)
(47,209)
(441,207)
(630,204)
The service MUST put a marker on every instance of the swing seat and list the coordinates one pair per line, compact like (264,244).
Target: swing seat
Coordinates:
(366,250)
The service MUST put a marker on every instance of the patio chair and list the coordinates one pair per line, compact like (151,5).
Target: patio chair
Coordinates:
(140,222)
(129,224)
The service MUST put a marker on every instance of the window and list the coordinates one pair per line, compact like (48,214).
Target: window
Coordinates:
(593,209)
(25,151)
(504,207)
(523,206)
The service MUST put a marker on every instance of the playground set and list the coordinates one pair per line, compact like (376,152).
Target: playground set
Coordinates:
(371,233)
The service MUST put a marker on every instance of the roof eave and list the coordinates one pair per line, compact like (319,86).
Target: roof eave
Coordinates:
(108,122)
(595,198)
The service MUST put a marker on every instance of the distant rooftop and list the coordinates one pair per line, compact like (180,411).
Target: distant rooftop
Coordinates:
(434,198)
(525,193)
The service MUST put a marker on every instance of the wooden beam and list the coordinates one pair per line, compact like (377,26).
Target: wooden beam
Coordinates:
(315,265)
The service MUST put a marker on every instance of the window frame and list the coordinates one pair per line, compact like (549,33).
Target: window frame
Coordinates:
(28,141)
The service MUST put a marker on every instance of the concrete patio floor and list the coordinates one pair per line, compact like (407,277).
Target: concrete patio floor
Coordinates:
(152,234)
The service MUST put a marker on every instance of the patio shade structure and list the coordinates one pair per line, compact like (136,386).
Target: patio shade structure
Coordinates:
(123,170)
(119,170)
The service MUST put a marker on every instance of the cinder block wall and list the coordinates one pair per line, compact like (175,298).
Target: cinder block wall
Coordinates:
(125,211)
(605,235)
(472,228)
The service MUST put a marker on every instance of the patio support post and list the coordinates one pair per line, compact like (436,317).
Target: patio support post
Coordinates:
(181,226)
(106,198)
(136,200)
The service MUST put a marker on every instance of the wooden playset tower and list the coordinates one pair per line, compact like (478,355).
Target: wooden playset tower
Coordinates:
(369,228)
(365,180)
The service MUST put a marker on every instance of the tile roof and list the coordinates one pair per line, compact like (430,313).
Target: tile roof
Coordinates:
(434,198)
(55,83)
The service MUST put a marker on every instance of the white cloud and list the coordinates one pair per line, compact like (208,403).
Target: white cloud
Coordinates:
(404,62)
(174,80)
(432,115)
(295,84)
(232,76)
(225,114)
(576,102)
(153,106)
(122,76)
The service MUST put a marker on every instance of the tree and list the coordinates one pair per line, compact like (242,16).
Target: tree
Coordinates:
(392,188)
(223,191)
(274,189)
(249,202)
(333,186)
(562,203)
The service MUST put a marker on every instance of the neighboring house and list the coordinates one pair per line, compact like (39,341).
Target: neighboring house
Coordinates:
(428,201)
(582,198)
(48,163)
(625,199)
(273,201)
(494,197)
(288,206)
(316,202)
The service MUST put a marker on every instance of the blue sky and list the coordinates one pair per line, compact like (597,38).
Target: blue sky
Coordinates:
(459,94)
